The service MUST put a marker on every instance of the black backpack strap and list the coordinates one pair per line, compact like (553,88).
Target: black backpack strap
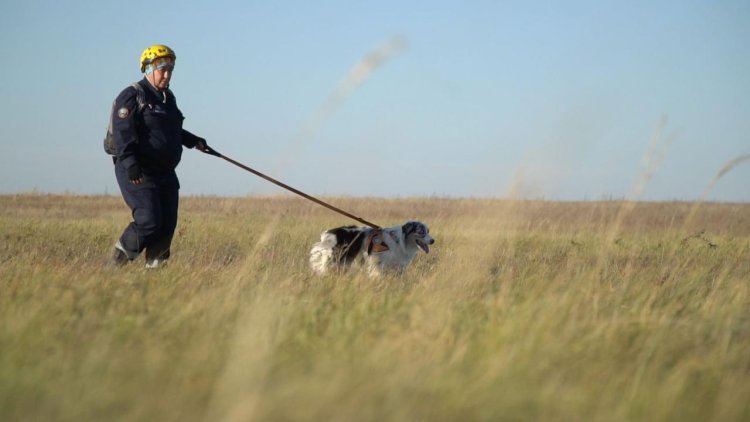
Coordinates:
(140,96)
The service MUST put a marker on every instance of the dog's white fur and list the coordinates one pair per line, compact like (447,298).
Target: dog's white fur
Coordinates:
(347,246)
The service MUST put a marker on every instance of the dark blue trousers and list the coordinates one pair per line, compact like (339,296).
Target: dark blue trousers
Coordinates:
(154,206)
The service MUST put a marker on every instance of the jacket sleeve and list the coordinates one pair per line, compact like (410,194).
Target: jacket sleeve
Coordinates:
(124,126)
(190,140)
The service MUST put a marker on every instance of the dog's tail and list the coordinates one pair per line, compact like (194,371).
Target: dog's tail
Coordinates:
(321,254)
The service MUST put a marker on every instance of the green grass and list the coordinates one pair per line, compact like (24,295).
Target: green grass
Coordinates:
(522,311)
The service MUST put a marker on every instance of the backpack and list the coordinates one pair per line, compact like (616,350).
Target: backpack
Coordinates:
(109,138)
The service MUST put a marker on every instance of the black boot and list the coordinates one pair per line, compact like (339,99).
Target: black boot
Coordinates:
(119,257)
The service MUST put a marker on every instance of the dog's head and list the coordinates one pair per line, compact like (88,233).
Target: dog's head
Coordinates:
(419,232)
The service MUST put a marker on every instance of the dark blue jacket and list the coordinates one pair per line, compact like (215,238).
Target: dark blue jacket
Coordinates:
(152,138)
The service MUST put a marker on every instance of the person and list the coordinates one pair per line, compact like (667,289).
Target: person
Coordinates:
(148,139)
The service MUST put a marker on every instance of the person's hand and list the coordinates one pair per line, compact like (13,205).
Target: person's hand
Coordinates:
(201,145)
(135,175)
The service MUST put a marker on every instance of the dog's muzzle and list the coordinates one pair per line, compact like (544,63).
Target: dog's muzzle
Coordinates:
(424,245)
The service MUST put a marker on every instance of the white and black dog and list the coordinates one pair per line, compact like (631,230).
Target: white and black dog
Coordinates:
(389,249)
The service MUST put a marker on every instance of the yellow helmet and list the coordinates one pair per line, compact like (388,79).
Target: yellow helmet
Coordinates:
(154,52)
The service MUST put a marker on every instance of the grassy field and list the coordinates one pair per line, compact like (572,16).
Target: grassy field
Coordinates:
(523,310)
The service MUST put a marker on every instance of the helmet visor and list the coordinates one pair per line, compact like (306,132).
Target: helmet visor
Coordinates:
(161,63)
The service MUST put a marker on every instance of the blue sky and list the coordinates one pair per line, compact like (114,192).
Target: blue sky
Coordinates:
(559,100)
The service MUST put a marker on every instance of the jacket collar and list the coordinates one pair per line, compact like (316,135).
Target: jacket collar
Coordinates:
(161,95)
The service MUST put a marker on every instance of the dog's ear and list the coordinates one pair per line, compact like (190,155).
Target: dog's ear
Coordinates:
(414,227)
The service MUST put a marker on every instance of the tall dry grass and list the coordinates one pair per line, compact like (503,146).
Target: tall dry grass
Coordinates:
(522,311)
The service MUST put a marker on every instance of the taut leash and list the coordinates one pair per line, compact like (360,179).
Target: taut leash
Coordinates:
(211,151)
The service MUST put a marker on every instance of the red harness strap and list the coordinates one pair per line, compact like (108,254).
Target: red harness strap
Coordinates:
(375,243)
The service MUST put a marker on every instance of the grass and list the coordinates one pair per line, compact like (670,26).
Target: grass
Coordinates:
(522,311)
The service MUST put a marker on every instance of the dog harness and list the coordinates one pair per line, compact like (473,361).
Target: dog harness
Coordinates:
(376,241)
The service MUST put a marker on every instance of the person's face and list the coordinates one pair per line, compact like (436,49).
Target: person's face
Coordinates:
(162,74)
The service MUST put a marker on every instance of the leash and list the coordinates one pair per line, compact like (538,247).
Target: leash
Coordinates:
(211,151)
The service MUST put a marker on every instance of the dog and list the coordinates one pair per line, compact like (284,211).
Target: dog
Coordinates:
(387,250)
